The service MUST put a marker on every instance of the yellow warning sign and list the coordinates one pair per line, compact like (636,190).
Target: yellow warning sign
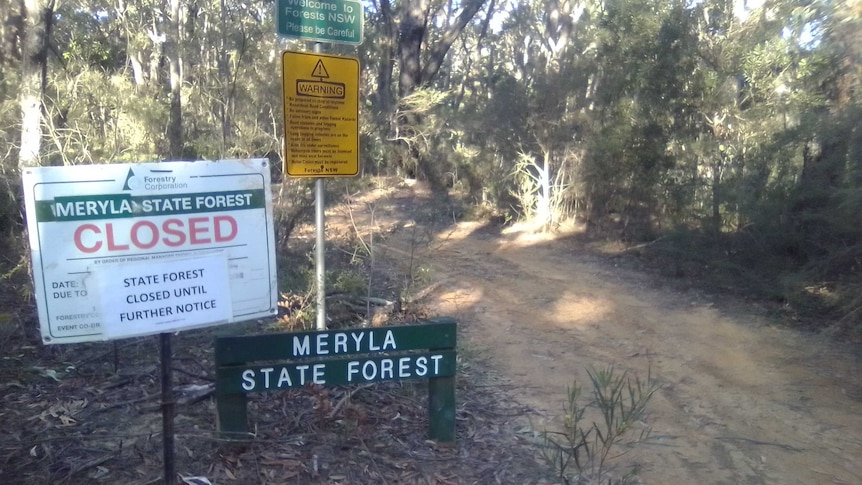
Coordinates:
(321,115)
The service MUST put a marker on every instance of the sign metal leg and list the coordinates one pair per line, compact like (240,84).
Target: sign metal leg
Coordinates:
(167,409)
(320,254)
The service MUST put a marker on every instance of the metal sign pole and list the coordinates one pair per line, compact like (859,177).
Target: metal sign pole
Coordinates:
(320,253)
(167,409)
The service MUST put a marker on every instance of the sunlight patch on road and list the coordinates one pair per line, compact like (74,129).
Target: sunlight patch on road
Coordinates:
(574,311)
(455,301)
(461,231)
(526,233)
(529,233)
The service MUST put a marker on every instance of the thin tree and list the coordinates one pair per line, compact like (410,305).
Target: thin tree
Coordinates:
(175,114)
(413,19)
(38,19)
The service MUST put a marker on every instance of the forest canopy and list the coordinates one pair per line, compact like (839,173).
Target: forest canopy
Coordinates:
(730,131)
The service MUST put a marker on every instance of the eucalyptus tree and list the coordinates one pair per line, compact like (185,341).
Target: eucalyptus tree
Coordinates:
(414,38)
(417,65)
(823,83)
(108,95)
(772,144)
(163,78)
(642,95)
(233,80)
(551,57)
(10,106)
(174,54)
(462,147)
(37,20)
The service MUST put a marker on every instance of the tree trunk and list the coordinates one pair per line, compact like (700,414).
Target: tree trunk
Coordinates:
(137,70)
(437,53)
(414,21)
(224,76)
(412,31)
(11,32)
(38,18)
(716,197)
(387,43)
(483,33)
(175,116)
(543,208)
(413,25)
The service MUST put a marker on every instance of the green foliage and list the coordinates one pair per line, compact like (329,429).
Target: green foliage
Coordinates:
(350,282)
(100,118)
(655,117)
(418,126)
(14,261)
(581,452)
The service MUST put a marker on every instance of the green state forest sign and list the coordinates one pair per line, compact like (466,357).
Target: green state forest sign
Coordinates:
(334,358)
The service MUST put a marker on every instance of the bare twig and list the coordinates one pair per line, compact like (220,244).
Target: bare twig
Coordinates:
(373,461)
(346,398)
(376,301)
(644,245)
(90,464)
(202,377)
(761,443)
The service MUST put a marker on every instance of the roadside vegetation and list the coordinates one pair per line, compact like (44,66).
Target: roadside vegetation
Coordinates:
(588,452)
(725,136)
(718,144)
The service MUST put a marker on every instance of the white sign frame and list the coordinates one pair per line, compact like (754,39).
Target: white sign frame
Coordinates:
(93,226)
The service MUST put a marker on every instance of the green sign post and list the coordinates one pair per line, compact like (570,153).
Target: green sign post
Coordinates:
(274,362)
(334,21)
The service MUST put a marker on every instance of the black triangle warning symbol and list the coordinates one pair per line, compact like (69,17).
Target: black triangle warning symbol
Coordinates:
(320,70)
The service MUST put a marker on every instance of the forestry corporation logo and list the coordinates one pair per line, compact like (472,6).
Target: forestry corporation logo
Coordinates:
(153,180)
(132,182)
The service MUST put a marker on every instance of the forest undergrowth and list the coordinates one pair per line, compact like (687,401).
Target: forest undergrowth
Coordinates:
(817,293)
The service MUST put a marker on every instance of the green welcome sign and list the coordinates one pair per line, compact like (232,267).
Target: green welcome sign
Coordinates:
(275,362)
(335,21)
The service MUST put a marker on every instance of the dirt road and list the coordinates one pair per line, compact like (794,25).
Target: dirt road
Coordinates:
(742,400)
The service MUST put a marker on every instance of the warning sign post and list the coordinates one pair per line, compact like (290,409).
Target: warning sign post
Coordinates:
(321,113)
